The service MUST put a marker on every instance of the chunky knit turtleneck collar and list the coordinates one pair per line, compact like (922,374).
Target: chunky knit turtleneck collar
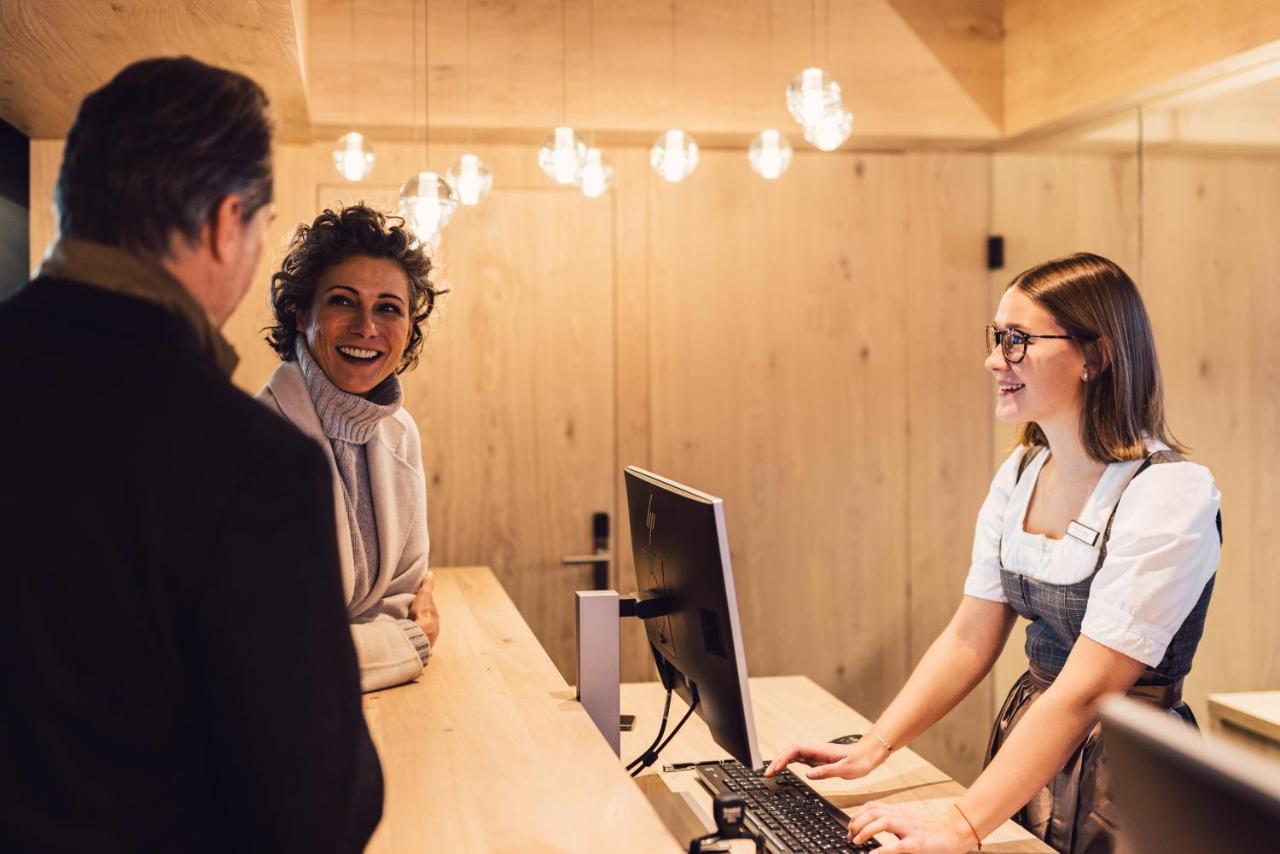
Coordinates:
(347,417)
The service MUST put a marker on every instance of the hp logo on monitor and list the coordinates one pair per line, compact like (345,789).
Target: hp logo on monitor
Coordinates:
(650,519)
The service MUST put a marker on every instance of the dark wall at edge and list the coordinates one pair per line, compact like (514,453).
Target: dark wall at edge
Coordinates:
(15,208)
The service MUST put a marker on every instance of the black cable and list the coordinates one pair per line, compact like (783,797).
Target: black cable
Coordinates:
(662,728)
(651,756)
(675,731)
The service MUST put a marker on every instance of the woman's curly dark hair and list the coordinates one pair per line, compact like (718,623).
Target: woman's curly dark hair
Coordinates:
(356,230)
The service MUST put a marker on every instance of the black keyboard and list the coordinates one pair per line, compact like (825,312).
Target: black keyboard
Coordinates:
(787,813)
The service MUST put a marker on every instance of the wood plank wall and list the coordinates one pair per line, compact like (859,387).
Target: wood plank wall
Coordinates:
(809,351)
(1047,205)
(816,360)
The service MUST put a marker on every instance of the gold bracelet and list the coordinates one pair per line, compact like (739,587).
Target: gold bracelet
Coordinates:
(880,738)
(972,829)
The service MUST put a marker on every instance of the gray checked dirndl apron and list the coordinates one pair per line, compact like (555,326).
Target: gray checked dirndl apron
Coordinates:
(1074,813)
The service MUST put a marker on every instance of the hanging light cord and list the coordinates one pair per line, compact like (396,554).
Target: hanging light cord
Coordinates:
(351,62)
(813,31)
(591,60)
(413,104)
(466,96)
(768,29)
(826,23)
(426,81)
(673,60)
(564,63)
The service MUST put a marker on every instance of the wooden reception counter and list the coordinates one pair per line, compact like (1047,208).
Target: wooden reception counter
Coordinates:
(488,750)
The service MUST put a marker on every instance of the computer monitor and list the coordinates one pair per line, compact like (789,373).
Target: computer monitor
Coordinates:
(682,559)
(1178,791)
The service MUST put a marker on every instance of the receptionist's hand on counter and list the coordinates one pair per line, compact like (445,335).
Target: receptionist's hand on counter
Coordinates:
(832,760)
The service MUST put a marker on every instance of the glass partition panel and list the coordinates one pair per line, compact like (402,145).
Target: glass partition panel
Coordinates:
(1211,281)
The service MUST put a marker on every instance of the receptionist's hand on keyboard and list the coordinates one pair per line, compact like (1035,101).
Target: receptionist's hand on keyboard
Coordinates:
(918,832)
(832,760)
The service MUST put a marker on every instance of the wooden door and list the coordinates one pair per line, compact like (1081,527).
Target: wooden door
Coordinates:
(779,385)
(518,429)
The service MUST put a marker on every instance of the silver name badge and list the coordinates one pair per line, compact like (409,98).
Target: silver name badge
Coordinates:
(1083,533)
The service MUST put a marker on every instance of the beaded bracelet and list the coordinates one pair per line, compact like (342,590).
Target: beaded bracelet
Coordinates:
(972,829)
(880,738)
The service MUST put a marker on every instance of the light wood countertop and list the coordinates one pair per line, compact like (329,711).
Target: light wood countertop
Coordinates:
(1256,711)
(789,709)
(488,750)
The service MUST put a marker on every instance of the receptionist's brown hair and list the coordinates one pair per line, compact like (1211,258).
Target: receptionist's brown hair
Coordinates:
(1096,303)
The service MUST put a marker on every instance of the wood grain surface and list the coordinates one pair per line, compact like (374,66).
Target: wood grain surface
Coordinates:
(54,52)
(789,709)
(488,750)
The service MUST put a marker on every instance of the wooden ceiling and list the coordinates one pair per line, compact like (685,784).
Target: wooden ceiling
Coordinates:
(918,73)
(54,52)
(910,69)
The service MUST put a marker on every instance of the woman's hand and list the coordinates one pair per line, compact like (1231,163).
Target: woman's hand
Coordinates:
(917,831)
(422,610)
(832,760)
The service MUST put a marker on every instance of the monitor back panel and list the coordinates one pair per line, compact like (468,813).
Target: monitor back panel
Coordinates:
(681,554)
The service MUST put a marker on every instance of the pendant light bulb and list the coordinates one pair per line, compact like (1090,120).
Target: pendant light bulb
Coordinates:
(470,179)
(353,157)
(830,133)
(562,155)
(596,175)
(769,154)
(811,95)
(674,156)
(427,203)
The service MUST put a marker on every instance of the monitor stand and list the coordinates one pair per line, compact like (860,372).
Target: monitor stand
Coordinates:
(597,615)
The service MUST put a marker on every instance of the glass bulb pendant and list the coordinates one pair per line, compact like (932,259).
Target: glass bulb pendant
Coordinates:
(769,154)
(811,95)
(674,156)
(562,155)
(596,175)
(830,133)
(471,179)
(427,203)
(353,157)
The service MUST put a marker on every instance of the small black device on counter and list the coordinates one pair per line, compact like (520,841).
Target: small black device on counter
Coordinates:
(730,812)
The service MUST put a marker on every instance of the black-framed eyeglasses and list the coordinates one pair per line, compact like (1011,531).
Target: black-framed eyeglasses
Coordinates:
(1013,342)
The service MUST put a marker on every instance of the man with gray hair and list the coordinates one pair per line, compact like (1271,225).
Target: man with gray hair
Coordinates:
(178,671)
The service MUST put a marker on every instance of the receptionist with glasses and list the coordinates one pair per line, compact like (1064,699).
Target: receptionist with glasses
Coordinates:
(1097,531)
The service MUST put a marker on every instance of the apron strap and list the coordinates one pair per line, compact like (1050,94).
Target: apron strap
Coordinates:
(1155,459)
(1026,461)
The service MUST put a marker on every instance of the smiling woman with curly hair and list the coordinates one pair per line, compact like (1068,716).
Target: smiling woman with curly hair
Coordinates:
(349,302)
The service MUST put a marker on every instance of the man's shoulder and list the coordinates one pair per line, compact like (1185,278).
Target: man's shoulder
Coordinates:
(124,359)
(91,322)
(80,301)
(230,424)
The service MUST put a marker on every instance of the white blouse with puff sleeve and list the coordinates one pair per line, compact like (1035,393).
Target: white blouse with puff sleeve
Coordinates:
(1163,549)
